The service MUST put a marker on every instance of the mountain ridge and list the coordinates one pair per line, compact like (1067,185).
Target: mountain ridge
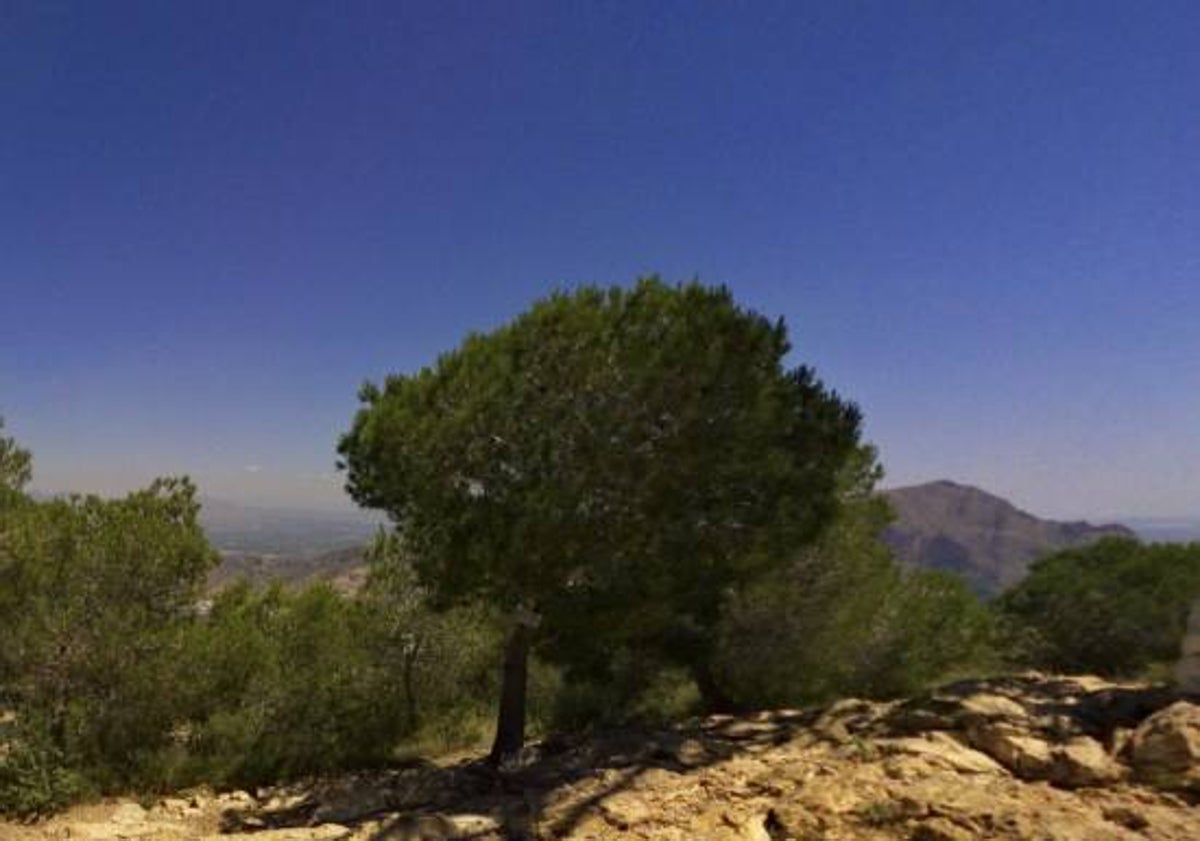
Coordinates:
(978,535)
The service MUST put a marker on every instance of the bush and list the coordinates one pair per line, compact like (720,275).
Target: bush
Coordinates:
(638,688)
(34,778)
(97,593)
(281,685)
(845,619)
(1117,607)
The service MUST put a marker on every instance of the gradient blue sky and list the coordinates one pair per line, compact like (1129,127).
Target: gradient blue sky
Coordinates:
(981,220)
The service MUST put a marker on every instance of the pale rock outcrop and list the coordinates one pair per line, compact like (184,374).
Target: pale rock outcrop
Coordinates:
(1023,758)
(1165,749)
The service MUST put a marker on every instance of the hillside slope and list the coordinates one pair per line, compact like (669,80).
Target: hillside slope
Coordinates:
(345,569)
(987,540)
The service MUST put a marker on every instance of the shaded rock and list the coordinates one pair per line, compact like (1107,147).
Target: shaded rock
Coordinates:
(842,721)
(353,805)
(945,750)
(1165,749)
(325,832)
(1024,755)
(940,829)
(625,810)
(433,827)
(690,753)
(1083,762)
(1078,762)
(1127,817)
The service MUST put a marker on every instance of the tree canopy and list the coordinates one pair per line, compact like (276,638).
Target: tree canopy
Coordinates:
(16,465)
(1114,607)
(613,460)
(843,618)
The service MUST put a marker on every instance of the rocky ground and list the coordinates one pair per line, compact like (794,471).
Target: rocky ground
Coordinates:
(1029,758)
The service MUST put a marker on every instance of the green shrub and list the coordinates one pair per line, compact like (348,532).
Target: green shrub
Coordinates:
(95,599)
(34,778)
(1117,607)
(285,684)
(845,620)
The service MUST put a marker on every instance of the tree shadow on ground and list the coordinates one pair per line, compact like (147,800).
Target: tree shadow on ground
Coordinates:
(564,782)
(531,800)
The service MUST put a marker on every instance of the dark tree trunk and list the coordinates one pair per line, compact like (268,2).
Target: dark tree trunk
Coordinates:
(712,695)
(510,723)
(411,653)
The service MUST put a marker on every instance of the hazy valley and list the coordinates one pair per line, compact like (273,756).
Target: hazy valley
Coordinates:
(940,525)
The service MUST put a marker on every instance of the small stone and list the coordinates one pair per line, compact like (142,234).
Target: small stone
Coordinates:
(940,829)
(1126,817)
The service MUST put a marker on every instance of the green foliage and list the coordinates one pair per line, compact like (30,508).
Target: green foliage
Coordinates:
(934,629)
(639,690)
(94,594)
(444,660)
(16,465)
(1116,607)
(284,684)
(614,459)
(844,619)
(115,672)
(34,779)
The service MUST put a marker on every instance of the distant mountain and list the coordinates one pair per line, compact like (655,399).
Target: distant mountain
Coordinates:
(1165,529)
(247,529)
(985,539)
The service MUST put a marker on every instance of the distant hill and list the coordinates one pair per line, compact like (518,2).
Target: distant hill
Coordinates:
(985,539)
(345,569)
(291,545)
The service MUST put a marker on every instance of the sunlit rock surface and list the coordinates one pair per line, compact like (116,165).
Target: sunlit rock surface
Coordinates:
(1023,758)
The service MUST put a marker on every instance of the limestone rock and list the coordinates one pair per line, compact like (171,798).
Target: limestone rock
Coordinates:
(128,814)
(1025,755)
(988,707)
(1018,758)
(940,829)
(1083,762)
(943,749)
(1165,749)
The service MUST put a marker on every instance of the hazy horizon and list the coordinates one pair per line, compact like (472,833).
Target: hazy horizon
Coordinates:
(979,221)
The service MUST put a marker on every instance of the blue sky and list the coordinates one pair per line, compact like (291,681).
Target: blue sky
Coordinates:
(980,220)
